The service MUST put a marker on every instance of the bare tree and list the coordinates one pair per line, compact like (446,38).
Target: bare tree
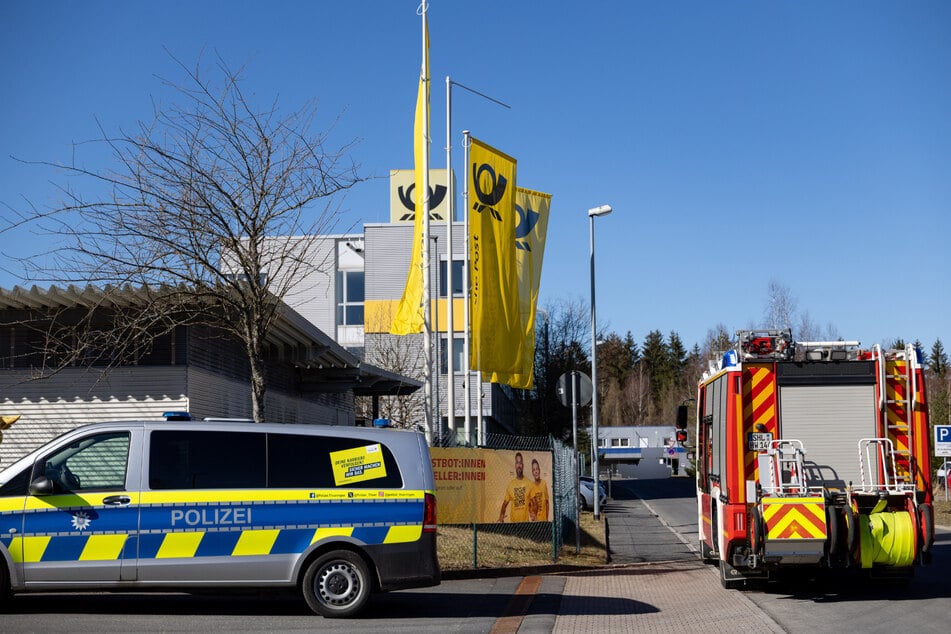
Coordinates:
(185,209)
(780,306)
(399,354)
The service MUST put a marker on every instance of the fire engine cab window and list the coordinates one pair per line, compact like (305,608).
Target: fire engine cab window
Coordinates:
(206,460)
(92,463)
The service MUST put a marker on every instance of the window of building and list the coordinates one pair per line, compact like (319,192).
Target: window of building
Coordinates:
(456,277)
(620,442)
(458,360)
(350,296)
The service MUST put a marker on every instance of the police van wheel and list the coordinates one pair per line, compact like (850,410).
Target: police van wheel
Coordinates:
(337,584)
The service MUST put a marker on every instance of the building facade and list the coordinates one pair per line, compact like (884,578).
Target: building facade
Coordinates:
(311,379)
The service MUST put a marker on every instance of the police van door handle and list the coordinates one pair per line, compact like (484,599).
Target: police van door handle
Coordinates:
(117,500)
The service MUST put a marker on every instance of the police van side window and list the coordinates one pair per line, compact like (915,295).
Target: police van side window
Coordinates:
(299,461)
(180,459)
(93,462)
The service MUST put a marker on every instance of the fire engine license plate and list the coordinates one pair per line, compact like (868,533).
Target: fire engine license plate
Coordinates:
(759,441)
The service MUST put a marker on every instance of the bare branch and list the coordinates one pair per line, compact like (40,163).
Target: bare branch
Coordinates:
(190,204)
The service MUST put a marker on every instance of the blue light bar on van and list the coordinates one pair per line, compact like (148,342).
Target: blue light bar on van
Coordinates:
(176,416)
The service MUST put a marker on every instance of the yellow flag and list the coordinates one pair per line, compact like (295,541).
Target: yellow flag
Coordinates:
(494,299)
(409,312)
(533,210)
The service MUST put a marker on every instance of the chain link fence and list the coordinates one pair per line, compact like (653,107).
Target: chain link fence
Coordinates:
(489,544)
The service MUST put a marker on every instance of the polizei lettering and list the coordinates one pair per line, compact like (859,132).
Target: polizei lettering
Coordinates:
(224,516)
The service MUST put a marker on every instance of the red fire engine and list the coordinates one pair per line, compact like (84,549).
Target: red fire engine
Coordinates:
(813,454)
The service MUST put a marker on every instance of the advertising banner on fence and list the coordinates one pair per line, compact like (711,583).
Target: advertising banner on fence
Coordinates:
(481,486)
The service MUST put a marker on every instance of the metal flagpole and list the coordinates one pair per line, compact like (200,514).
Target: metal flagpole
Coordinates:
(438,439)
(424,196)
(465,289)
(450,296)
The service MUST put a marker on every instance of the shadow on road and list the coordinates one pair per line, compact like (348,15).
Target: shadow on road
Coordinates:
(662,488)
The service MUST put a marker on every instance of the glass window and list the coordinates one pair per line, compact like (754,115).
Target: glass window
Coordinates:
(350,294)
(456,278)
(355,314)
(93,462)
(298,461)
(180,459)
(458,348)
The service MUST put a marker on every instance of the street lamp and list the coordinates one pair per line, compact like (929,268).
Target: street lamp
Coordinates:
(603,210)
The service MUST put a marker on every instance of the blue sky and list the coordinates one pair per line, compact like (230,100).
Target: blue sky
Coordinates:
(804,142)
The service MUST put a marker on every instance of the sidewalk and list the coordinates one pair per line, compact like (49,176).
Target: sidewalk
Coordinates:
(656,583)
(677,596)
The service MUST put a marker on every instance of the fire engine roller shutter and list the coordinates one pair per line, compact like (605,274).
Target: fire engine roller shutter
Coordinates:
(829,407)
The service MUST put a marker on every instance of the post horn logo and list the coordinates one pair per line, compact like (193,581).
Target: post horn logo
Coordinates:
(488,200)
(408,200)
(527,219)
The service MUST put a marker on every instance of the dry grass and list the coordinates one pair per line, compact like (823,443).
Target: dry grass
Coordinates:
(523,545)
(942,510)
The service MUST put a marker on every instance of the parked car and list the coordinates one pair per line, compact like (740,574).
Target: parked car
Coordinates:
(586,499)
(337,512)
(943,470)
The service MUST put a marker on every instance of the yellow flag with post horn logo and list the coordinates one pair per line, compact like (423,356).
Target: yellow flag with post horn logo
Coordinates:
(533,210)
(497,339)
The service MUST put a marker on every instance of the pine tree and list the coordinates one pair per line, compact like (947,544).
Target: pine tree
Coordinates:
(938,361)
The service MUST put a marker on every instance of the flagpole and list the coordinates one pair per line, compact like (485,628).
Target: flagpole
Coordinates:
(450,296)
(424,196)
(465,290)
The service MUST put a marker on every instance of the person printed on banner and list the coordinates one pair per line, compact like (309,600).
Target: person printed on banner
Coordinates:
(516,494)
(538,498)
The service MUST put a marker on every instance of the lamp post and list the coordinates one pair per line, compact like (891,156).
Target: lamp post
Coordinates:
(603,210)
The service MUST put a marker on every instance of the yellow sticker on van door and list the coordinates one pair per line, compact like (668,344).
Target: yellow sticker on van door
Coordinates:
(357,464)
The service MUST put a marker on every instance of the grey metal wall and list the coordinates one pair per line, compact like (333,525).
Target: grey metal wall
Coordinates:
(77,396)
(313,295)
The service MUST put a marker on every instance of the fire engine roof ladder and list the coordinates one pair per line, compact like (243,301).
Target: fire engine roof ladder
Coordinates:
(899,411)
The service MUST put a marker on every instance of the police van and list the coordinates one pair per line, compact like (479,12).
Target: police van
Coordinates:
(339,512)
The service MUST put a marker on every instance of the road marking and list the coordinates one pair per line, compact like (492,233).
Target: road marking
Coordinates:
(518,606)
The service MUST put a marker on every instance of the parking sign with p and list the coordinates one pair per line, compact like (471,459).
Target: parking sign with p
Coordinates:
(942,440)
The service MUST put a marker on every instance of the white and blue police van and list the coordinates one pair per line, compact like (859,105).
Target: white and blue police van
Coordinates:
(338,512)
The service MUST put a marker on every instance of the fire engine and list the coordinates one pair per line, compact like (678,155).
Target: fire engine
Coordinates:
(813,454)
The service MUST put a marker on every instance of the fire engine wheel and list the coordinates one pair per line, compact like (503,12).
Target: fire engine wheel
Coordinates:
(926,524)
(851,530)
(757,533)
(832,520)
(337,584)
